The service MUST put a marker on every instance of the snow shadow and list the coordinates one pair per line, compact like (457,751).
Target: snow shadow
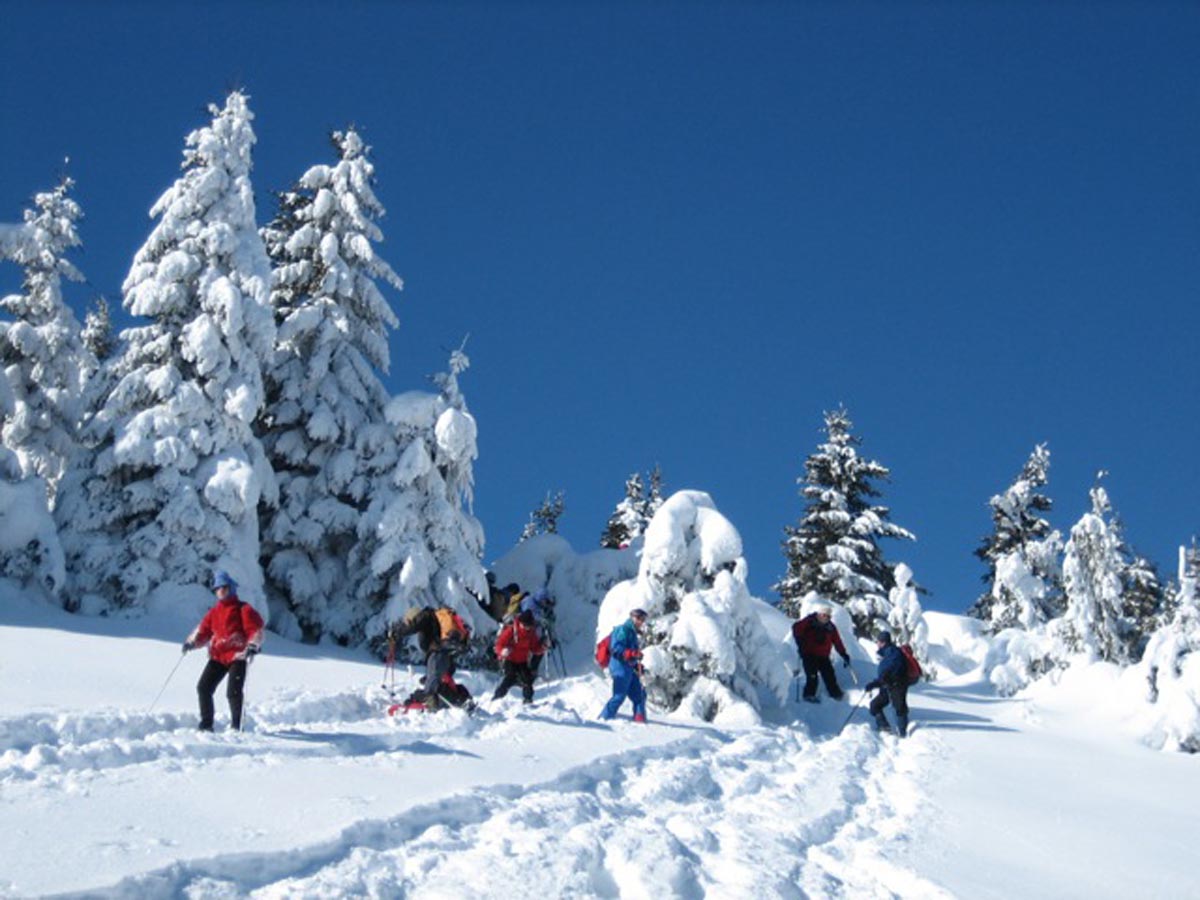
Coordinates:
(368,745)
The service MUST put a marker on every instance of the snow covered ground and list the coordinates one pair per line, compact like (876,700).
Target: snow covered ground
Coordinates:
(1042,795)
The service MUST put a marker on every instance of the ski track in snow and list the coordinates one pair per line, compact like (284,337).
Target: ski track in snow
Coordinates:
(764,812)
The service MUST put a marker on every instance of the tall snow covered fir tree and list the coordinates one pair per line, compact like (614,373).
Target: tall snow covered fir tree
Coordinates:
(323,425)
(1172,664)
(42,351)
(834,550)
(631,516)
(419,544)
(1022,554)
(1094,620)
(171,482)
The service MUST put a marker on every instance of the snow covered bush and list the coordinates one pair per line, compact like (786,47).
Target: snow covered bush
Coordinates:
(906,620)
(30,552)
(706,651)
(1016,658)
(172,476)
(1172,668)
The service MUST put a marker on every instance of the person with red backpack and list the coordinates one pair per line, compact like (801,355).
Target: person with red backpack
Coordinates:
(815,636)
(626,668)
(233,631)
(516,645)
(892,678)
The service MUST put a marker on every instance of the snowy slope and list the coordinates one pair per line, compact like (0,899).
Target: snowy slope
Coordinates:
(325,796)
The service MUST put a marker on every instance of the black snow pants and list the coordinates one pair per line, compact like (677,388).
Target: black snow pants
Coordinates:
(513,673)
(895,691)
(814,665)
(234,691)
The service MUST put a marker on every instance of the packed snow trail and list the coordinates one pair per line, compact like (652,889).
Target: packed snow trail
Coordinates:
(762,813)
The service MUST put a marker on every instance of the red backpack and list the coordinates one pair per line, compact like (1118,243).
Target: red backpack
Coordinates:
(912,668)
(604,652)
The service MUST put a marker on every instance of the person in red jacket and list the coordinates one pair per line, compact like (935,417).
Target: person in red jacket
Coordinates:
(233,631)
(517,644)
(815,637)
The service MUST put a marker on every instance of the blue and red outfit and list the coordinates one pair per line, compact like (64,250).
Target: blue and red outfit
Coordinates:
(625,668)
(892,677)
(233,631)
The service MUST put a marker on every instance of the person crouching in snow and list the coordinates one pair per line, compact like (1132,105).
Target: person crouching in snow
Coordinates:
(233,631)
(517,644)
(626,668)
(892,677)
(815,636)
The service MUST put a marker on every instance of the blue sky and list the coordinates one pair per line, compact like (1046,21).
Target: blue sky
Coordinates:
(676,233)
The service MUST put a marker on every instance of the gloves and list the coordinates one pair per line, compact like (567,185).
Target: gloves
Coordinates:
(871,686)
(504,654)
(633,654)
(250,652)
(845,662)
(188,645)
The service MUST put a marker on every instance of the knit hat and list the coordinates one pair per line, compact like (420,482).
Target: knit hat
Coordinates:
(638,613)
(221,578)
(885,637)
(526,617)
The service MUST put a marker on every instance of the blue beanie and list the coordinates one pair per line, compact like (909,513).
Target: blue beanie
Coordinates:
(221,578)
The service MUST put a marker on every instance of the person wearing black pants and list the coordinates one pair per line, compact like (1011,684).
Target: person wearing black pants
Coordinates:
(517,643)
(210,678)
(892,677)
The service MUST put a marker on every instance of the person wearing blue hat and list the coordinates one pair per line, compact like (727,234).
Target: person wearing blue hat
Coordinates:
(233,631)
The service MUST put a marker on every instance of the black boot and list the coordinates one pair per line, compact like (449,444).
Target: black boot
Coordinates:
(902,726)
(881,724)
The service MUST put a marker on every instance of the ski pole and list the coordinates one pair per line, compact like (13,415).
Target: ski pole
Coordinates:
(165,683)
(796,684)
(853,710)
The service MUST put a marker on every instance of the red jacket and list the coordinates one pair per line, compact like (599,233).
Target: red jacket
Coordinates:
(521,641)
(817,638)
(228,628)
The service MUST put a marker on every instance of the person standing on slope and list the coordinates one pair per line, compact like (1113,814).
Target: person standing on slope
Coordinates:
(233,631)
(892,677)
(815,636)
(517,644)
(626,668)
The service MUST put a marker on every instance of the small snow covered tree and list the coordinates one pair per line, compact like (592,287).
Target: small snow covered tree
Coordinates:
(42,351)
(544,519)
(171,482)
(634,512)
(1021,553)
(98,334)
(1143,599)
(323,423)
(419,544)
(906,619)
(1172,661)
(834,549)
(706,650)
(1094,622)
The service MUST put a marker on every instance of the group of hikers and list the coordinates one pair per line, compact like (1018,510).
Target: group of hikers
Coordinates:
(233,633)
(816,637)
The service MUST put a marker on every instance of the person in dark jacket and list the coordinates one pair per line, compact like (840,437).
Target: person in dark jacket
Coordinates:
(815,636)
(516,646)
(892,678)
(626,668)
(439,650)
(233,631)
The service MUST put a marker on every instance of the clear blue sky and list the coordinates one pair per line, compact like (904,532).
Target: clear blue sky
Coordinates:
(677,233)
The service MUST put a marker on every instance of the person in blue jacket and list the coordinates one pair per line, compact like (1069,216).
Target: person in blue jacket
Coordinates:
(626,668)
(892,677)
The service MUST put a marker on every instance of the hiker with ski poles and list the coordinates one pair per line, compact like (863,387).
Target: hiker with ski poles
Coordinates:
(625,665)
(816,636)
(233,631)
(516,645)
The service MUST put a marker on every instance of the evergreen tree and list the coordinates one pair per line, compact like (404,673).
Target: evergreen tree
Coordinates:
(1094,621)
(1172,673)
(544,519)
(834,549)
(323,425)
(906,619)
(419,543)
(42,351)
(1143,598)
(634,512)
(170,485)
(1021,553)
(98,334)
